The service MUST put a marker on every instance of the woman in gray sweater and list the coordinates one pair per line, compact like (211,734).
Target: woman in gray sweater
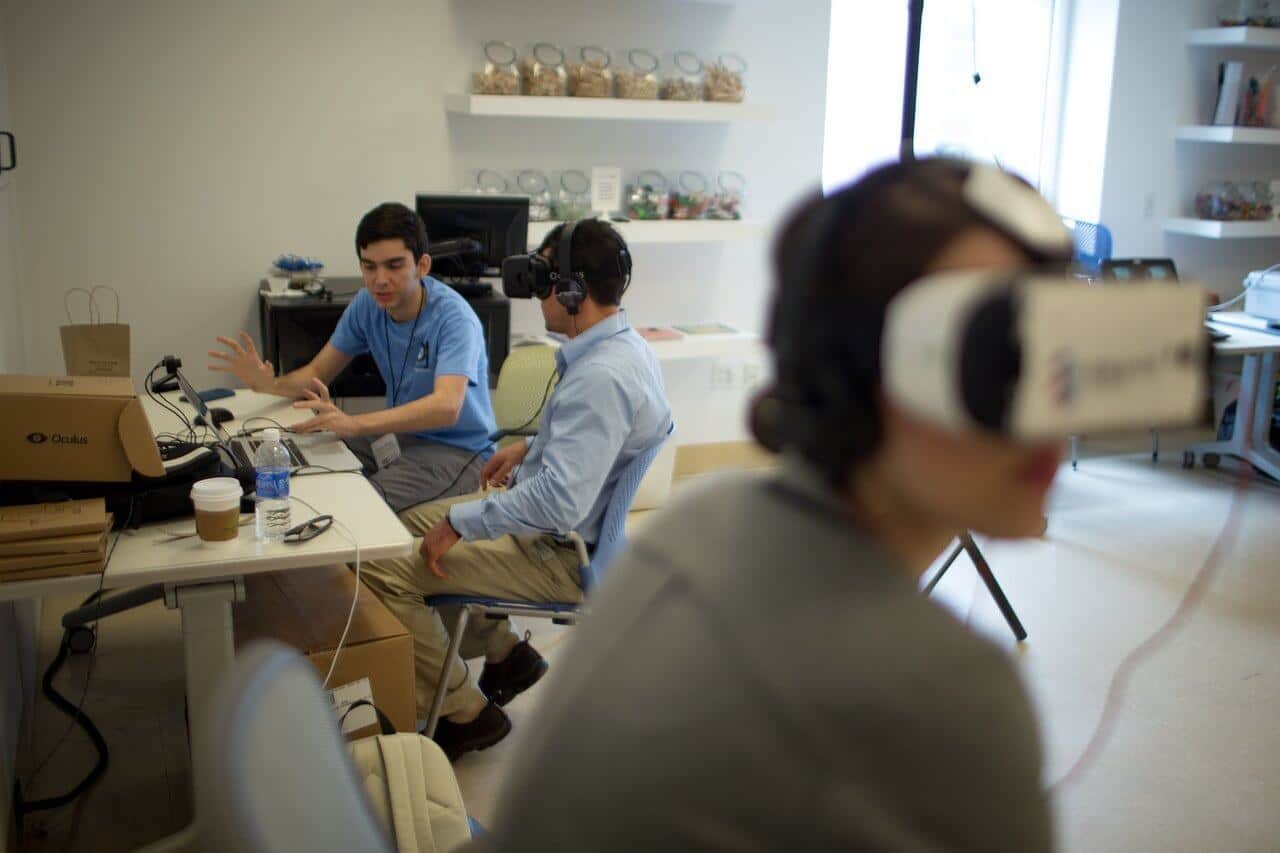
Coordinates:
(761,671)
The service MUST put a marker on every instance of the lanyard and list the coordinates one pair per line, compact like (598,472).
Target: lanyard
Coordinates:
(408,348)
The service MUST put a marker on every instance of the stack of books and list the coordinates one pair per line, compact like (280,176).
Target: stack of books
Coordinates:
(52,540)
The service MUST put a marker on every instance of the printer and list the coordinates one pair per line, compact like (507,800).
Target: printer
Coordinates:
(1262,296)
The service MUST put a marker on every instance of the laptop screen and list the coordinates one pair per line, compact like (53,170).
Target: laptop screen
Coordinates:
(201,407)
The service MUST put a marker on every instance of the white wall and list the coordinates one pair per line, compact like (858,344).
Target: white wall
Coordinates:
(12,343)
(1160,83)
(171,149)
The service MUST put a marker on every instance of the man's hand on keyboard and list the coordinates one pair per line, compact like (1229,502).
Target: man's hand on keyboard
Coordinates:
(328,417)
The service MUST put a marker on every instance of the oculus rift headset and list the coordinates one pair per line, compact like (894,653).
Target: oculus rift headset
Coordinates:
(532,275)
(1028,354)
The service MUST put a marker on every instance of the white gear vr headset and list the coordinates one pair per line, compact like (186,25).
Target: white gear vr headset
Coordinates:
(1039,356)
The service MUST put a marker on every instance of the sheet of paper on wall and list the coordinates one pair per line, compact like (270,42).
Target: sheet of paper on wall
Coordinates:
(606,189)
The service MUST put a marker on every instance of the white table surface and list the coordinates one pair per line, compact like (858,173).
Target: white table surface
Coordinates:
(1245,339)
(144,556)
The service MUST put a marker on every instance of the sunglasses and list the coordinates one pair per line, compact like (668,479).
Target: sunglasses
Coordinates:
(309,529)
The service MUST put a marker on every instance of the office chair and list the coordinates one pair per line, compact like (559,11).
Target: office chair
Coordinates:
(591,567)
(524,385)
(273,774)
(1092,245)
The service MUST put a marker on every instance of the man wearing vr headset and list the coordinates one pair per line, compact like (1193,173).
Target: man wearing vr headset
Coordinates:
(761,671)
(429,347)
(608,408)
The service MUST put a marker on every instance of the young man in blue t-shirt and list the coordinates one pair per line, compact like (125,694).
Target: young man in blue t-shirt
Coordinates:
(432,439)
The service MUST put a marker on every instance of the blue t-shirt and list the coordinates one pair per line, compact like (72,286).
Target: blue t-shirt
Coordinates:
(448,341)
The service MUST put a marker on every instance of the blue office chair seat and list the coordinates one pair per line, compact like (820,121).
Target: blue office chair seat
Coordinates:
(591,568)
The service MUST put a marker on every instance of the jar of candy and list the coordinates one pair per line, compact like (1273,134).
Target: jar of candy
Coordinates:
(491,182)
(638,82)
(690,199)
(728,202)
(647,198)
(544,73)
(725,79)
(1228,201)
(500,76)
(574,199)
(688,83)
(535,185)
(592,78)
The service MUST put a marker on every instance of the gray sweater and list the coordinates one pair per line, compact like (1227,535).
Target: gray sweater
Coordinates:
(756,675)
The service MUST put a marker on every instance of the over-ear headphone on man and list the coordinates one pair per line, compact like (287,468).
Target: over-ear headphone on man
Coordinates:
(531,275)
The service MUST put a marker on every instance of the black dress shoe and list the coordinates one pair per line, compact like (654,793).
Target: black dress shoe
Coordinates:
(502,682)
(456,739)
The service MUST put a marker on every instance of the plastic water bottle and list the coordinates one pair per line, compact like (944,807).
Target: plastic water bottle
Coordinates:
(271,462)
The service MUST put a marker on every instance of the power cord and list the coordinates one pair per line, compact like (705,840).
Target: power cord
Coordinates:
(355,599)
(75,712)
(1161,637)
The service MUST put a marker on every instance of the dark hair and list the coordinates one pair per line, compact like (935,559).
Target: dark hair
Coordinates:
(838,262)
(597,254)
(389,221)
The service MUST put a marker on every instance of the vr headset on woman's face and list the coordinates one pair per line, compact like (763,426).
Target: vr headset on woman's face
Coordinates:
(1040,357)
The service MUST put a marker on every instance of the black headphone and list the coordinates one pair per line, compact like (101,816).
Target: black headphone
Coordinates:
(570,286)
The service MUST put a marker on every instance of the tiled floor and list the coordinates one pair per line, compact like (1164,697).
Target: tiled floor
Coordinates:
(1192,763)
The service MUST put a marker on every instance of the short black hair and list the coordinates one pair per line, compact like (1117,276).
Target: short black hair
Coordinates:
(597,253)
(391,220)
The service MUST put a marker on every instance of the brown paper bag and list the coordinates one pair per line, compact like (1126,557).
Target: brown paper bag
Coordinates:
(95,348)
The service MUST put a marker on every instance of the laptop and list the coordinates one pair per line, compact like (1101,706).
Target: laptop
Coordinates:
(322,451)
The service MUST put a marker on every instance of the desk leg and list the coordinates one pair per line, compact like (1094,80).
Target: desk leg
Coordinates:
(1251,433)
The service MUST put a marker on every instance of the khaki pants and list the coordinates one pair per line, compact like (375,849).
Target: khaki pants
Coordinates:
(525,568)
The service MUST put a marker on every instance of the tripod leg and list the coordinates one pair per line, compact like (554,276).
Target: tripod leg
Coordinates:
(993,586)
(942,571)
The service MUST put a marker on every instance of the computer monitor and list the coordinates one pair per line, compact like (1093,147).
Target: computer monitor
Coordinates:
(500,223)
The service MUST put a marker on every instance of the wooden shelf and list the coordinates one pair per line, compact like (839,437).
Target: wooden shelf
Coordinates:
(1232,135)
(615,109)
(638,233)
(1215,230)
(1263,38)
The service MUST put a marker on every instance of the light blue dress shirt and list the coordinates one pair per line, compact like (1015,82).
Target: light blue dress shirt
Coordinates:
(608,408)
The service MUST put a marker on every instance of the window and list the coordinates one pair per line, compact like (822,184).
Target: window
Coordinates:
(1002,119)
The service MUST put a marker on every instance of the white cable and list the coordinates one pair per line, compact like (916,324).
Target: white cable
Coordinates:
(355,599)
(1247,285)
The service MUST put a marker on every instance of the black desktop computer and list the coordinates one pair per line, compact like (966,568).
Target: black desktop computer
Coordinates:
(479,232)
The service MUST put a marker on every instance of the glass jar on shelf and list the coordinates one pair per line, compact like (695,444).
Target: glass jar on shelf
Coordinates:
(535,185)
(1231,202)
(543,72)
(592,78)
(687,84)
(726,79)
(574,199)
(690,199)
(491,182)
(727,203)
(639,81)
(501,75)
(647,198)
(1243,13)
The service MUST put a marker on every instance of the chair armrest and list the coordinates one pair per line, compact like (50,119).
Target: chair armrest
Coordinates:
(584,559)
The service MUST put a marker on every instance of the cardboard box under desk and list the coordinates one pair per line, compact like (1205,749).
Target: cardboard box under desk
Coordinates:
(307,609)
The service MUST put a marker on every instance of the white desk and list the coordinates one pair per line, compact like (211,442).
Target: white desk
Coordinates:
(1251,434)
(203,580)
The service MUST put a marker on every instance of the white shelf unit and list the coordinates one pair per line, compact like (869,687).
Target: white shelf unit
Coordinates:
(1230,135)
(1262,38)
(668,231)
(611,109)
(1214,230)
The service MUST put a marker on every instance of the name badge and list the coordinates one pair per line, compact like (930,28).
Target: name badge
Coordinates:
(386,451)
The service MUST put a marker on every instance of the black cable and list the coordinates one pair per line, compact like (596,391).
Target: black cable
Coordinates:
(75,712)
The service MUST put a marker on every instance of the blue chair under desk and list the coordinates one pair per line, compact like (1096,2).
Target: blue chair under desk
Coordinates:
(592,566)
